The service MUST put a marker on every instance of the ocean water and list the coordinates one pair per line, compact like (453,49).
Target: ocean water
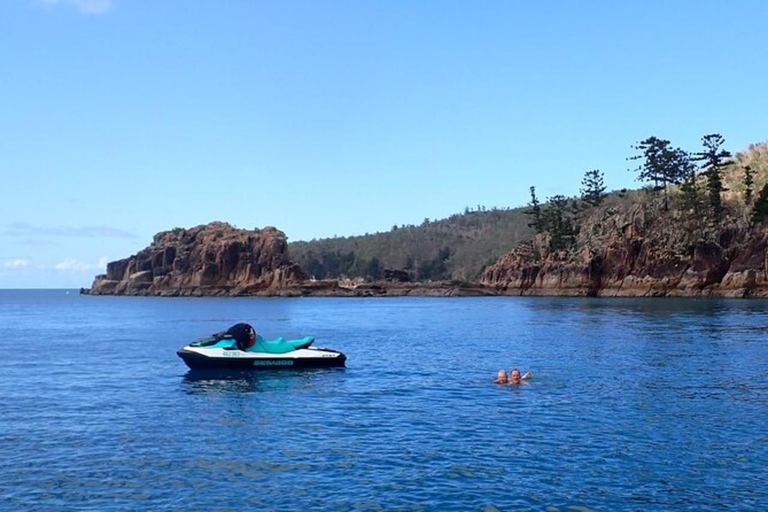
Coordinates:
(634,405)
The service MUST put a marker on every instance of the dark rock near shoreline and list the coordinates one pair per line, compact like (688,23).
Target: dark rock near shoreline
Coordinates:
(400,276)
(214,259)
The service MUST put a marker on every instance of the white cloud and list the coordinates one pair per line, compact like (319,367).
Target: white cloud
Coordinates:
(84,6)
(17,263)
(71,265)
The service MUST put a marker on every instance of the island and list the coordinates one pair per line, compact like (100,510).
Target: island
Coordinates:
(699,228)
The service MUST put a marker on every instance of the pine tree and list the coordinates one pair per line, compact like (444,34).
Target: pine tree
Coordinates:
(534,212)
(593,192)
(749,182)
(691,198)
(372,269)
(557,220)
(713,160)
(659,164)
(760,209)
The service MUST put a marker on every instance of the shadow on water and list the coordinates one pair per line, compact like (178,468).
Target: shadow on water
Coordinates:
(198,382)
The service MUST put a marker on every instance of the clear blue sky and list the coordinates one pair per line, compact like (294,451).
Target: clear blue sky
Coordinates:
(122,118)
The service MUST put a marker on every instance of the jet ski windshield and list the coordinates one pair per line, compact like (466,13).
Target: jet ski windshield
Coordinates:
(243,334)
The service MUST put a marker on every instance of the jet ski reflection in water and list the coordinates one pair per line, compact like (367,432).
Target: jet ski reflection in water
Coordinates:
(240,348)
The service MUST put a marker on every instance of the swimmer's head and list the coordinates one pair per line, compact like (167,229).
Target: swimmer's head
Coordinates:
(501,376)
(514,375)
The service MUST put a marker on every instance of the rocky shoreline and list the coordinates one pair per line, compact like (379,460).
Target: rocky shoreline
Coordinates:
(219,260)
(212,259)
(640,250)
(325,288)
(635,288)
(619,253)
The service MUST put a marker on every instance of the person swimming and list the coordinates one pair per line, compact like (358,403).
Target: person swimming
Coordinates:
(501,377)
(516,378)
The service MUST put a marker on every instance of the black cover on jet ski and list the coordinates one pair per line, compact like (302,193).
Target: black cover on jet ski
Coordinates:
(243,333)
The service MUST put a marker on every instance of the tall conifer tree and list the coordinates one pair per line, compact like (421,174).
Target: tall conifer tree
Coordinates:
(659,164)
(749,182)
(593,192)
(557,220)
(713,159)
(759,211)
(534,212)
(691,198)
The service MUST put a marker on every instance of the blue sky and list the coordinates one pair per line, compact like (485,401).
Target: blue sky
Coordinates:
(122,118)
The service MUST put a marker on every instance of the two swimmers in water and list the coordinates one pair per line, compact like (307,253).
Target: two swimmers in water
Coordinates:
(515,378)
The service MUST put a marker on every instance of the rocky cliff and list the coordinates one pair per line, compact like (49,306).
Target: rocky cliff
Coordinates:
(634,247)
(214,259)
(635,244)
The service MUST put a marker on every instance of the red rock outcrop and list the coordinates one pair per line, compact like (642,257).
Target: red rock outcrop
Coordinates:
(636,249)
(214,259)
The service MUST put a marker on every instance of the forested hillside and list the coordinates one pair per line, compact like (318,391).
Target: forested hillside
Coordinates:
(699,193)
(458,247)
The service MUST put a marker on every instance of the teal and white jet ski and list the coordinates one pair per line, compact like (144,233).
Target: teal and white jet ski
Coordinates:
(240,348)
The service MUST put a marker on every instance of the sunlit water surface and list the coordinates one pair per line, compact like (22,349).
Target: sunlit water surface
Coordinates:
(634,405)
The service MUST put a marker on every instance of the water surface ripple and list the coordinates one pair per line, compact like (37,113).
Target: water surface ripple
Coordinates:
(635,405)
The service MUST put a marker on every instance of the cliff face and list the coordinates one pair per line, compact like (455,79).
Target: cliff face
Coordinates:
(636,248)
(214,259)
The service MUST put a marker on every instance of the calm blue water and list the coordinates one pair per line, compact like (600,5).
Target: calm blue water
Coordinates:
(635,405)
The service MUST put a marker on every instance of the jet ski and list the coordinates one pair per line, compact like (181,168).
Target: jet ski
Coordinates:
(241,348)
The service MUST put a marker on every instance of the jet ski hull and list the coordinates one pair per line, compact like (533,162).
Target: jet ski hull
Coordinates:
(202,359)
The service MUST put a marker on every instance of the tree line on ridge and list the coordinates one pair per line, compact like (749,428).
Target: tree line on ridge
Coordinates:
(697,176)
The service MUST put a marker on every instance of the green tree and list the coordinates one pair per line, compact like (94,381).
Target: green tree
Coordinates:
(557,220)
(659,164)
(689,189)
(593,192)
(760,209)
(534,212)
(373,269)
(749,182)
(435,268)
(713,159)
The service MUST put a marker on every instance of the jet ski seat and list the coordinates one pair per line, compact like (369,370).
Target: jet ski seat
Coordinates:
(279,345)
